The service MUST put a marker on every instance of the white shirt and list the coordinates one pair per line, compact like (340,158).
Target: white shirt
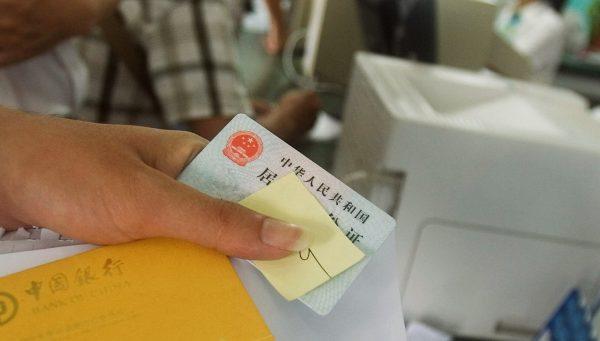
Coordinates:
(54,82)
(539,33)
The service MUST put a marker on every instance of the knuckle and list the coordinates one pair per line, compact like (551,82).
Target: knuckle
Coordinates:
(177,150)
(223,213)
(187,143)
(223,222)
(145,208)
(184,136)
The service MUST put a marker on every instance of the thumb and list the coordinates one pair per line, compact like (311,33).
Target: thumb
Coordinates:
(176,210)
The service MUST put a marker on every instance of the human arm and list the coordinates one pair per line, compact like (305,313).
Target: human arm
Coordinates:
(109,184)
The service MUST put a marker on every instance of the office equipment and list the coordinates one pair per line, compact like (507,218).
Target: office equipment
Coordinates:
(455,33)
(524,44)
(497,189)
(417,331)
(334,34)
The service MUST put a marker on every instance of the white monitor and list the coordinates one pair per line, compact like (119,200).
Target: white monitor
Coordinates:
(495,185)
(333,35)
(464,32)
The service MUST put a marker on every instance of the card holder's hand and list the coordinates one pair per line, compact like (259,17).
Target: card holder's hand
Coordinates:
(110,184)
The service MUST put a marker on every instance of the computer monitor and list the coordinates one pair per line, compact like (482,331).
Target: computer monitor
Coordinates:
(455,33)
(495,185)
(334,34)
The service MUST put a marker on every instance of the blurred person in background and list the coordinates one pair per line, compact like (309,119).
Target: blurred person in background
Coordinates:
(536,30)
(109,184)
(277,35)
(174,60)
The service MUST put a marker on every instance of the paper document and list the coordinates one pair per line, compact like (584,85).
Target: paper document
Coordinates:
(156,289)
(330,252)
(245,158)
(26,239)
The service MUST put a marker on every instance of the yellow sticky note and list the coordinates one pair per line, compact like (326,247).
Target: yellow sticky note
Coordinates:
(157,289)
(330,251)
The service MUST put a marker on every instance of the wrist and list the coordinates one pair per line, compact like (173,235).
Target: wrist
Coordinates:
(12,124)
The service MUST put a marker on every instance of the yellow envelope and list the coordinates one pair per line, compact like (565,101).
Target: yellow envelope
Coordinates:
(330,252)
(157,289)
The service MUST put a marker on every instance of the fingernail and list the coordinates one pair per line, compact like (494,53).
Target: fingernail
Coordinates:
(283,235)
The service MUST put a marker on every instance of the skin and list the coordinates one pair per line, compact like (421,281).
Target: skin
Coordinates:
(109,184)
(290,119)
(277,35)
(48,22)
(52,21)
(31,27)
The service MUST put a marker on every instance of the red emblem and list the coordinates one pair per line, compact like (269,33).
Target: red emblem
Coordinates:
(243,147)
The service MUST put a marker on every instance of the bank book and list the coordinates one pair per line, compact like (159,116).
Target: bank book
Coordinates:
(155,289)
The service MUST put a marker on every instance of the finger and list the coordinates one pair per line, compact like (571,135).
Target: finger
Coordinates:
(261,107)
(176,151)
(175,210)
(165,150)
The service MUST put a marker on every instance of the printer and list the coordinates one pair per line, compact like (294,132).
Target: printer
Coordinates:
(495,185)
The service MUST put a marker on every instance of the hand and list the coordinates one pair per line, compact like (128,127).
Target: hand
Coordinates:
(110,184)
(277,35)
(275,40)
(260,107)
(30,27)
(294,115)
